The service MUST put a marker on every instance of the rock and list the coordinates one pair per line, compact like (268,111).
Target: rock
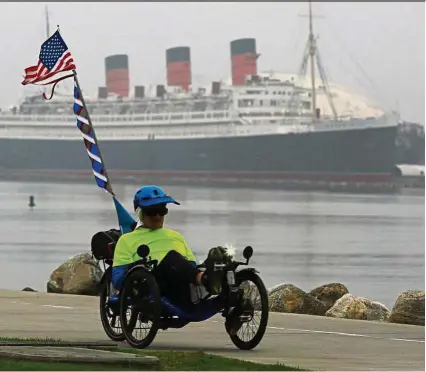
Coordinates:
(409,308)
(354,307)
(28,289)
(287,298)
(329,293)
(251,291)
(80,275)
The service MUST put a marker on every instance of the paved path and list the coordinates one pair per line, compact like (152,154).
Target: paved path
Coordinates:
(298,340)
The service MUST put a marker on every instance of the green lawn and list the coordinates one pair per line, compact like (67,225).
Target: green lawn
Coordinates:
(169,360)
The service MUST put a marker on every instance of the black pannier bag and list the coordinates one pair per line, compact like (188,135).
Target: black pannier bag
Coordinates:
(103,244)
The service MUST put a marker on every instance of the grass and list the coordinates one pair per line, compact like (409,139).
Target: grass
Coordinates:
(169,361)
(17,365)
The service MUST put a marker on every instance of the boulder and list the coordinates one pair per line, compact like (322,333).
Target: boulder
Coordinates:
(329,293)
(409,308)
(251,292)
(287,298)
(354,307)
(28,289)
(79,275)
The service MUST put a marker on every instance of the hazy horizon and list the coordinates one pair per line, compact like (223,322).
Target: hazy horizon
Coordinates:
(376,49)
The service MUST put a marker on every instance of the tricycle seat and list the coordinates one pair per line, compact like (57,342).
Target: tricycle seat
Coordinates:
(203,310)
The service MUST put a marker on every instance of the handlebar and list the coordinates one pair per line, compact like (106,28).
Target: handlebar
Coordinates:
(145,262)
(143,252)
(230,266)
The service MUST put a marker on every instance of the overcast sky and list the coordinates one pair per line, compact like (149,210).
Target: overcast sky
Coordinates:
(377,49)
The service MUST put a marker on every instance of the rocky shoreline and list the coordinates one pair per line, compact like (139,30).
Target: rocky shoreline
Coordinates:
(82,274)
(334,300)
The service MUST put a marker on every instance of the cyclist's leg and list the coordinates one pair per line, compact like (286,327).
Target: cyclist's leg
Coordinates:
(174,275)
(175,267)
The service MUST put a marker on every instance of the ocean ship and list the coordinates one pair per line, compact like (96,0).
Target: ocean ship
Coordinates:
(256,128)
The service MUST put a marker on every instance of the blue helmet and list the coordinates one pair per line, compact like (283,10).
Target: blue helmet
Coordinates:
(148,196)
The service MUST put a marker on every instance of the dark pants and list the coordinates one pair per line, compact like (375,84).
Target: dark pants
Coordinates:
(173,275)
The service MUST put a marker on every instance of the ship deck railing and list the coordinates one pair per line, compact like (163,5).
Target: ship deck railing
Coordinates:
(220,129)
(224,128)
(144,119)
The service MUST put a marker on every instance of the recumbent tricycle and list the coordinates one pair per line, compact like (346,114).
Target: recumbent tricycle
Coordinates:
(140,301)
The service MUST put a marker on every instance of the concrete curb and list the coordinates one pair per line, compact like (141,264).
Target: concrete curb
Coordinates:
(94,344)
(73,355)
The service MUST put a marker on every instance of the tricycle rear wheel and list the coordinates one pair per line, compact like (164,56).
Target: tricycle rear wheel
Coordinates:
(110,319)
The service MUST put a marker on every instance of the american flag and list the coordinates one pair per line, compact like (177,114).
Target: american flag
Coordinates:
(54,59)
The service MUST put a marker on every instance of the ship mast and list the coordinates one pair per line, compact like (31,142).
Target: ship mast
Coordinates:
(312,53)
(47,22)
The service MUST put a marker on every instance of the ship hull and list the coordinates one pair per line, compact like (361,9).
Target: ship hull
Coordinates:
(360,155)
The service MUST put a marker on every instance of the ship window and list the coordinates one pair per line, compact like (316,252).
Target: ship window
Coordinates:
(306,105)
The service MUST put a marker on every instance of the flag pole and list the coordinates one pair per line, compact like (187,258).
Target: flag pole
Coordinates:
(108,187)
(125,220)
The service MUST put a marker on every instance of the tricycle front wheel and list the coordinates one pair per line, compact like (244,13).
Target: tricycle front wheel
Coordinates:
(247,327)
(140,308)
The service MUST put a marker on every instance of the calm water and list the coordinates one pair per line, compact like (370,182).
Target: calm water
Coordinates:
(375,245)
